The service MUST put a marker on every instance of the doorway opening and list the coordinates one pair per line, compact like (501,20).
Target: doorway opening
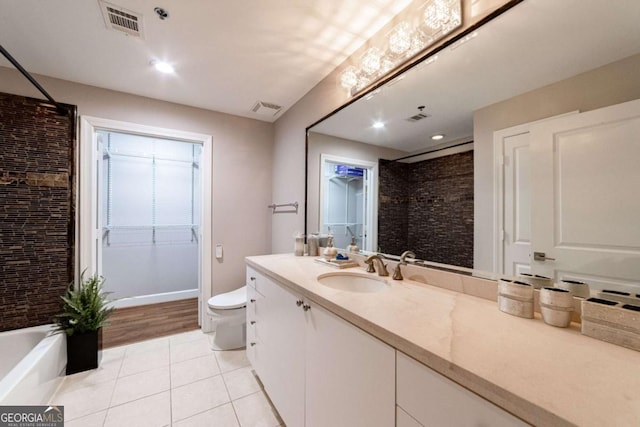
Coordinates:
(348,208)
(145,212)
(150,212)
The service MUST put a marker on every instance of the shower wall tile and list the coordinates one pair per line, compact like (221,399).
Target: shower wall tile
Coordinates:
(427,207)
(36,210)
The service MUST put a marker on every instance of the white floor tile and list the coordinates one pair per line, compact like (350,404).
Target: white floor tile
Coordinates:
(107,371)
(222,416)
(144,361)
(256,411)
(193,370)
(84,401)
(232,359)
(93,420)
(148,345)
(189,350)
(197,397)
(140,385)
(113,353)
(241,382)
(187,337)
(151,411)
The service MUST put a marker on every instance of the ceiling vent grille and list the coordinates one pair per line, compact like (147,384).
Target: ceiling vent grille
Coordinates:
(417,117)
(120,19)
(266,108)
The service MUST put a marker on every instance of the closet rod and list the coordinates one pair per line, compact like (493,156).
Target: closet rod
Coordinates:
(33,81)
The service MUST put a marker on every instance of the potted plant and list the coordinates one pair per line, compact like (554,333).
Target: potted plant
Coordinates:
(84,313)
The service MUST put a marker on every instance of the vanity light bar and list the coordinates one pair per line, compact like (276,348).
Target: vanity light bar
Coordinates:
(433,20)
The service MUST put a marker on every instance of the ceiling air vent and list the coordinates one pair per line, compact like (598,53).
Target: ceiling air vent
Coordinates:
(266,108)
(417,117)
(120,19)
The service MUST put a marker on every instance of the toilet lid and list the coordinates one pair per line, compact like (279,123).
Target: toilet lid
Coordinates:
(229,300)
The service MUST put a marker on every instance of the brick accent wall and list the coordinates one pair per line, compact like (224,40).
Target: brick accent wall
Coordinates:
(427,207)
(36,209)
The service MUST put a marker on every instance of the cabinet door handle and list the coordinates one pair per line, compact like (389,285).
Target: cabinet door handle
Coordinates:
(299,302)
(253,279)
(253,322)
(252,344)
(252,300)
(306,307)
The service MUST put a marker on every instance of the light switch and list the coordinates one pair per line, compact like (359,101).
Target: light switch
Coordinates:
(219,251)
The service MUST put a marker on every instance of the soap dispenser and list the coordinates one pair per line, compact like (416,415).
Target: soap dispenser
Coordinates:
(329,252)
(353,248)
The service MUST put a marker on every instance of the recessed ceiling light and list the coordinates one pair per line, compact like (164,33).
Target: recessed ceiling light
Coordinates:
(437,137)
(378,125)
(163,67)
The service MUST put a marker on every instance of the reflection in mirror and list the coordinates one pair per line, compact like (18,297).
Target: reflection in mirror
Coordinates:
(487,195)
(427,206)
(348,201)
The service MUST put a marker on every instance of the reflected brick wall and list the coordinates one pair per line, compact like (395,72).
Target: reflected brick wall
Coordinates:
(427,207)
(36,210)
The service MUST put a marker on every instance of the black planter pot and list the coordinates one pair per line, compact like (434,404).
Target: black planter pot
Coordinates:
(83,351)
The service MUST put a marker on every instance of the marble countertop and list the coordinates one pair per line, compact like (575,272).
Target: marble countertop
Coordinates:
(542,374)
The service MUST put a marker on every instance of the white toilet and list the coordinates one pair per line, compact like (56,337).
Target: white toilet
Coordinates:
(228,314)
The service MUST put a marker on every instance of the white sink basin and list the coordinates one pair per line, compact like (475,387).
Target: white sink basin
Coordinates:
(353,282)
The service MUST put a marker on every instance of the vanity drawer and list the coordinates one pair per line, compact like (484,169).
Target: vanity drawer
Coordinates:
(432,399)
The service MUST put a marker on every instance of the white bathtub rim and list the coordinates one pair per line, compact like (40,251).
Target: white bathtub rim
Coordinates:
(22,369)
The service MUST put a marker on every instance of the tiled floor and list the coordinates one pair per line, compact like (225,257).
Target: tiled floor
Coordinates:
(171,381)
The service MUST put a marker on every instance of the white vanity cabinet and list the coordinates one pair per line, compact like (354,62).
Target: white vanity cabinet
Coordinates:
(317,369)
(424,397)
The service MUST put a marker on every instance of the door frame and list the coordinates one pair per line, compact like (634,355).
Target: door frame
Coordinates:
(88,220)
(372,194)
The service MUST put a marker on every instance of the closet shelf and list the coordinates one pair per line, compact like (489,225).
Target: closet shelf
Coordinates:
(109,154)
(134,227)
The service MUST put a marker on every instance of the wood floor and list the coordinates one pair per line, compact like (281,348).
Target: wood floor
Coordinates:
(132,324)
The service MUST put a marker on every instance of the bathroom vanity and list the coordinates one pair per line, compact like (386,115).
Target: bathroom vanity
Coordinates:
(411,354)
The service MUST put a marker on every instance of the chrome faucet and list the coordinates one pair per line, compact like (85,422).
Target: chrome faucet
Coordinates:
(397,273)
(382,268)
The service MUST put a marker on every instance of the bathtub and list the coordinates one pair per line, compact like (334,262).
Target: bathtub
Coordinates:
(31,365)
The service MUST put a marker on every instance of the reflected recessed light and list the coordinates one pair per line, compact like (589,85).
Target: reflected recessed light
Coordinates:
(163,67)
(437,137)
(378,125)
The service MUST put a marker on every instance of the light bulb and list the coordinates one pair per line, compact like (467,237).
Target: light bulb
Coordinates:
(371,61)
(349,77)
(400,38)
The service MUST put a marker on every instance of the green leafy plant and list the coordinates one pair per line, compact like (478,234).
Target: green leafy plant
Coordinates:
(85,309)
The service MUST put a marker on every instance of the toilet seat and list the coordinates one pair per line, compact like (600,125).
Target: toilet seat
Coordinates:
(229,300)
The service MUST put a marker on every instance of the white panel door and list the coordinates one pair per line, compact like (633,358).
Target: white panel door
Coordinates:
(517,205)
(586,196)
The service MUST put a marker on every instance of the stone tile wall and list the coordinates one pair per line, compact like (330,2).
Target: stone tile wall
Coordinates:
(427,207)
(36,209)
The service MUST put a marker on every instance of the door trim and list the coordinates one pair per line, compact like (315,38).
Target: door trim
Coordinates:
(87,221)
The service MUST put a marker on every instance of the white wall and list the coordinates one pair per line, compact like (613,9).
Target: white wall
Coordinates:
(242,161)
(289,157)
(609,85)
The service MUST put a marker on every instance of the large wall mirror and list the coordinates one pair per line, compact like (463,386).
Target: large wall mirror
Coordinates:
(537,114)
